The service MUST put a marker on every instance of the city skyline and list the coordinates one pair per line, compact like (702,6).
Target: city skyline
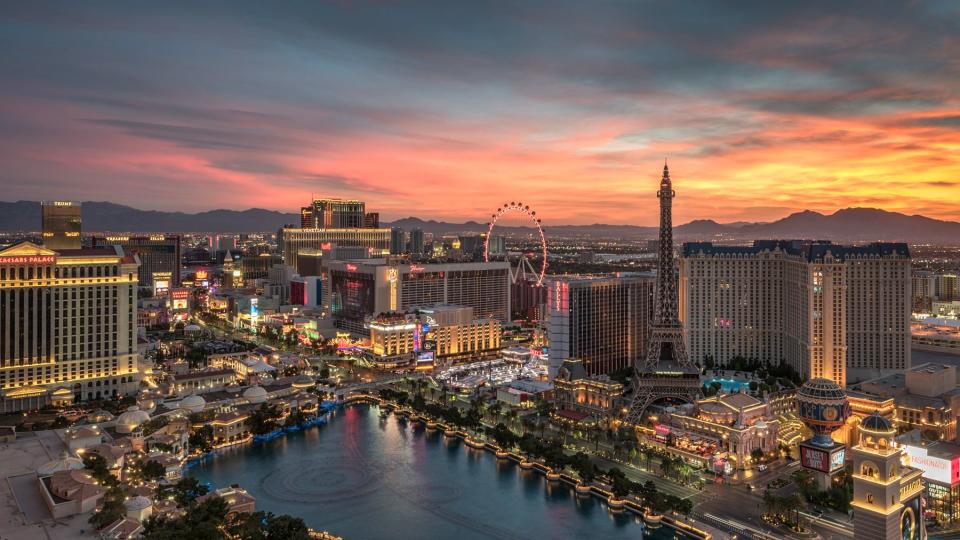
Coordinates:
(776,110)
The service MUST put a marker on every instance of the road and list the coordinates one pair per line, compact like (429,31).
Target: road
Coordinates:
(740,505)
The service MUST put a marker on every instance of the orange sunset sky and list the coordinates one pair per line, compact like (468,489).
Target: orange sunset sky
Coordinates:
(442,112)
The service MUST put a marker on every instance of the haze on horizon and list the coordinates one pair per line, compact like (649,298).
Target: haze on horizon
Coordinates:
(446,112)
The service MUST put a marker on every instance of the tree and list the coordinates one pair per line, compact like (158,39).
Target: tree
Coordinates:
(544,408)
(264,419)
(204,521)
(502,436)
(202,439)
(756,455)
(621,487)
(152,470)
(185,491)
(98,469)
(264,525)
(111,510)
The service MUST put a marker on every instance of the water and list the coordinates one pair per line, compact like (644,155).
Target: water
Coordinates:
(361,477)
(730,386)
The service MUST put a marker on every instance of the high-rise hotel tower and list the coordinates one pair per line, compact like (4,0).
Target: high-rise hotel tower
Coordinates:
(68,325)
(831,311)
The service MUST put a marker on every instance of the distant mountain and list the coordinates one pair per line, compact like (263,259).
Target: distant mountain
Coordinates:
(850,225)
(857,224)
(107,217)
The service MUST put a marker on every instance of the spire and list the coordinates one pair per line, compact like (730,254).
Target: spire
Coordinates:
(666,171)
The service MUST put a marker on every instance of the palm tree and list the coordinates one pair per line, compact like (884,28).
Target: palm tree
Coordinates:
(684,470)
(544,408)
(495,410)
(512,418)
(666,465)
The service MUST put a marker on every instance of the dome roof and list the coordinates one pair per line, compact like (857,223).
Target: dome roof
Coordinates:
(99,415)
(192,328)
(131,419)
(821,389)
(65,462)
(303,381)
(255,394)
(147,404)
(193,403)
(137,503)
(875,422)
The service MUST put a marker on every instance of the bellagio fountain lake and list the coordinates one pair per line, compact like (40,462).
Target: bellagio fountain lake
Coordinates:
(364,477)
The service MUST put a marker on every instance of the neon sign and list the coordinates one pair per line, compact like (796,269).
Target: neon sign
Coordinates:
(417,268)
(351,267)
(29,259)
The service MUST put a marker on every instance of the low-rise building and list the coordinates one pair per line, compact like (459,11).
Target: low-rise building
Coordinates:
(432,335)
(576,391)
(199,382)
(230,426)
(525,393)
(83,437)
(70,492)
(728,426)
(239,501)
(925,398)
(943,338)
(940,463)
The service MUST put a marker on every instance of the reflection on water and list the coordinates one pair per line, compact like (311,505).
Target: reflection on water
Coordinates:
(363,477)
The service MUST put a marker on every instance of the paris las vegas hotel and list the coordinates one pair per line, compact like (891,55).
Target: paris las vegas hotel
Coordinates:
(67,321)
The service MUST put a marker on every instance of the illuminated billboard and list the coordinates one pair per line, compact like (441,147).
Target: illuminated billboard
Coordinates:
(945,471)
(825,460)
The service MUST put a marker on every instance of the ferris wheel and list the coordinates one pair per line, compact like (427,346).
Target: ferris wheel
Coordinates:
(525,268)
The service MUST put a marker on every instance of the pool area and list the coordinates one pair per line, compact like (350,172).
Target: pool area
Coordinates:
(730,386)
(363,477)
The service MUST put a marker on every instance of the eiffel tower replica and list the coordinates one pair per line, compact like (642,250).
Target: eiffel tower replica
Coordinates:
(666,372)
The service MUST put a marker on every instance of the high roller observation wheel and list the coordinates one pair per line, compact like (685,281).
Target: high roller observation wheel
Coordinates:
(532,215)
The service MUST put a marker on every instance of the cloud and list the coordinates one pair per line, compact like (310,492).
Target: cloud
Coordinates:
(443,109)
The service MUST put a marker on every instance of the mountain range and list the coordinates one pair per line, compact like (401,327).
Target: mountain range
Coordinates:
(850,224)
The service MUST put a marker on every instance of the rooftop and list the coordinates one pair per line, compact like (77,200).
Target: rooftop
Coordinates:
(811,250)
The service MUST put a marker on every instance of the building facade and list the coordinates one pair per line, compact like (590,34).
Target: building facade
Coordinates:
(733,426)
(925,398)
(377,241)
(159,256)
(433,335)
(360,289)
(398,242)
(253,267)
(601,321)
(334,214)
(416,242)
(887,502)
(67,325)
(830,311)
(62,224)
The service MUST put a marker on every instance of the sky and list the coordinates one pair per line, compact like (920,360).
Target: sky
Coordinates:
(447,110)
